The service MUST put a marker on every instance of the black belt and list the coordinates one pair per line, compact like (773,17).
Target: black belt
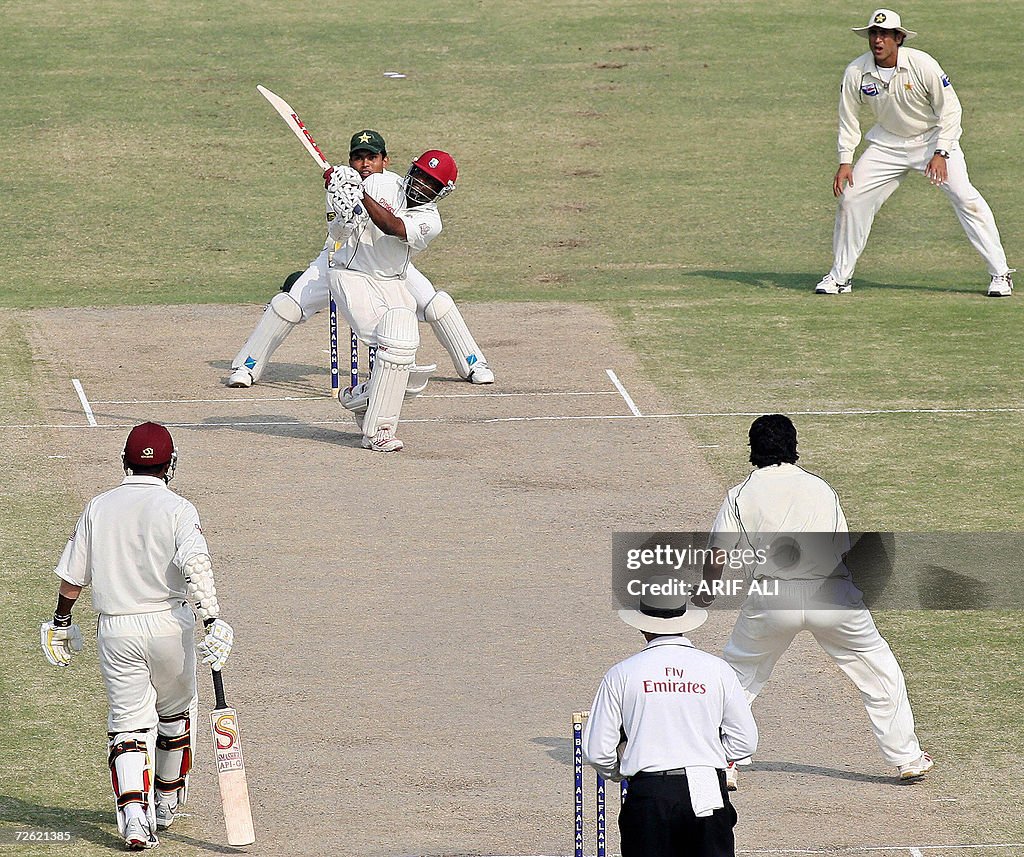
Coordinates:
(675,772)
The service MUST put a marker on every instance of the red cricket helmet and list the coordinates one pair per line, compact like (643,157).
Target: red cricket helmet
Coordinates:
(431,176)
(149,445)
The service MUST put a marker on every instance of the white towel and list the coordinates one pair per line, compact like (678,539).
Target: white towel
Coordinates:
(705,790)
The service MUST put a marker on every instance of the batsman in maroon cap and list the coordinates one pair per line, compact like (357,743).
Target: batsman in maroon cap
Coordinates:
(141,549)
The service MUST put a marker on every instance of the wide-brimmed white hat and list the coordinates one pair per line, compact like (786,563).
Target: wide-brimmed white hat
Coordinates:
(662,608)
(884,19)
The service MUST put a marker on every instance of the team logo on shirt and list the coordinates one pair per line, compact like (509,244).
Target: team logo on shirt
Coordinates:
(908,86)
(674,682)
(869,89)
(945,80)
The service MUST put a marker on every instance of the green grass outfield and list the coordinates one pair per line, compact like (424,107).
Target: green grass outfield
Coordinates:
(671,162)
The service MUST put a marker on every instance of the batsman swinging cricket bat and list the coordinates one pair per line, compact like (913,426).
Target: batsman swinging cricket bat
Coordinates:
(293,122)
(227,748)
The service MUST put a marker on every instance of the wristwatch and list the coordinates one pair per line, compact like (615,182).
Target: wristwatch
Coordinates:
(942,153)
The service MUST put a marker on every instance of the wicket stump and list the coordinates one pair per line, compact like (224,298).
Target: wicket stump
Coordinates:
(578,719)
(353,354)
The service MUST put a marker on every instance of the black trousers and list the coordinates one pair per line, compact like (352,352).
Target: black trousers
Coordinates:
(658,821)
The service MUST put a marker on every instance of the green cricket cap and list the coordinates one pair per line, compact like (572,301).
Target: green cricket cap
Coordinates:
(369,141)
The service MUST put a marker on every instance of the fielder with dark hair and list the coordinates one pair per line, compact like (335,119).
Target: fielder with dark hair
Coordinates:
(773,441)
(780,504)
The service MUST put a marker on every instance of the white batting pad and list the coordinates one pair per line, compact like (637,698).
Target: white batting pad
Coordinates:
(131,757)
(280,317)
(397,341)
(451,331)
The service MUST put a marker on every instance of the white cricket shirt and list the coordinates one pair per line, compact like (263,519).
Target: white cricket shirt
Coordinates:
(679,707)
(373,252)
(917,106)
(129,546)
(784,499)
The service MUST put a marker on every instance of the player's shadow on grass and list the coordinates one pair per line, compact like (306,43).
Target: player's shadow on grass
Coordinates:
(95,826)
(89,824)
(802,282)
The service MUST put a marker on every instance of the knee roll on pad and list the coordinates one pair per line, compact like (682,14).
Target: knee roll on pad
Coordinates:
(440,305)
(452,332)
(286,307)
(398,337)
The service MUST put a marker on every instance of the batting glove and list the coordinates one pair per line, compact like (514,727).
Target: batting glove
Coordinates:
(216,645)
(60,644)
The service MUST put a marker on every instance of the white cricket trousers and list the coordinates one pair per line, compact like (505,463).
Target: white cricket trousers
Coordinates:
(878,172)
(312,290)
(148,663)
(848,636)
(363,300)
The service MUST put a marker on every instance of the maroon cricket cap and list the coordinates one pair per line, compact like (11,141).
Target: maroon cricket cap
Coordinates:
(148,445)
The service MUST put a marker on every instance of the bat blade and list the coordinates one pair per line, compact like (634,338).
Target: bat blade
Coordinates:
(291,118)
(234,787)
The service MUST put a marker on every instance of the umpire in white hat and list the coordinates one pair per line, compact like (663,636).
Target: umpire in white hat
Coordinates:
(684,717)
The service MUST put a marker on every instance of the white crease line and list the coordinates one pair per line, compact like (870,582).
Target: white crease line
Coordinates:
(470,421)
(482,420)
(85,402)
(916,852)
(329,396)
(622,391)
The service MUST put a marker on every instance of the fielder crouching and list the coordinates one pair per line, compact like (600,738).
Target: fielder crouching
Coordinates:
(141,548)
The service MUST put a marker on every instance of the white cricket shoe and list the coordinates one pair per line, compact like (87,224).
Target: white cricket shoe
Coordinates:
(829,285)
(481,374)
(916,769)
(164,815)
(1001,286)
(241,377)
(383,441)
(732,777)
(137,835)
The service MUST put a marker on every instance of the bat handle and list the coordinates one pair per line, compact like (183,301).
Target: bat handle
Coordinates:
(218,690)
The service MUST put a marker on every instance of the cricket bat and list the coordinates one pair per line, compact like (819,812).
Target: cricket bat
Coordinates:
(285,111)
(227,748)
